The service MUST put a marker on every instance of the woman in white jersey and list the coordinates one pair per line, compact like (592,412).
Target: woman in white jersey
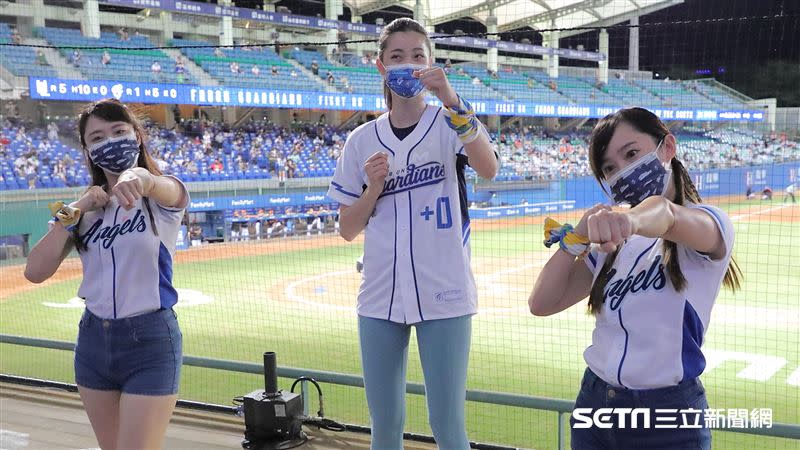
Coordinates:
(129,350)
(401,179)
(652,278)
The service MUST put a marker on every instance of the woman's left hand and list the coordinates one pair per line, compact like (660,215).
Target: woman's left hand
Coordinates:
(435,80)
(610,228)
(132,185)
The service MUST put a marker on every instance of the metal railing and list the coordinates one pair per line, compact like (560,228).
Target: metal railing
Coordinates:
(558,406)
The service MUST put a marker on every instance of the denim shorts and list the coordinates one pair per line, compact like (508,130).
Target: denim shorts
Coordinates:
(688,394)
(139,355)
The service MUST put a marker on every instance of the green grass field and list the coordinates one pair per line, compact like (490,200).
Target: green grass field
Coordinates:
(299,303)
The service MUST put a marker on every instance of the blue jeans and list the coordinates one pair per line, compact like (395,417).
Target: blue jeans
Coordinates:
(139,355)
(444,351)
(596,393)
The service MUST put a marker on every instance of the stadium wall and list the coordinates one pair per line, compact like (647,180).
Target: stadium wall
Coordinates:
(29,218)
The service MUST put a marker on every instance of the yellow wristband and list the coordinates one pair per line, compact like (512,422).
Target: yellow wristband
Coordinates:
(67,215)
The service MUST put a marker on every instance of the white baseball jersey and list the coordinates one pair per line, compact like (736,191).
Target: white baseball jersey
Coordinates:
(127,269)
(416,244)
(647,335)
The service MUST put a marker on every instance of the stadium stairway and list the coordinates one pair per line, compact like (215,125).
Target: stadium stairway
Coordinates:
(56,60)
(195,72)
(324,86)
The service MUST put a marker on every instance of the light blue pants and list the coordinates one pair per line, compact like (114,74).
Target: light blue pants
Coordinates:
(444,351)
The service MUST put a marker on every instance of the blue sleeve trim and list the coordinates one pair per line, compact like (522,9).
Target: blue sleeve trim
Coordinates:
(340,188)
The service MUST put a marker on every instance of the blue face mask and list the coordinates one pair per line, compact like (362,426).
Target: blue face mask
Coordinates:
(644,178)
(401,82)
(115,155)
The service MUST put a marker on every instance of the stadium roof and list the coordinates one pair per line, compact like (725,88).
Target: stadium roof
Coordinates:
(537,14)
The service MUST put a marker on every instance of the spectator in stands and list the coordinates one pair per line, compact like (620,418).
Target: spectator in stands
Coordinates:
(60,172)
(76,57)
(334,152)
(293,74)
(552,85)
(106,58)
(191,167)
(291,166)
(218,52)
(315,67)
(234,66)
(123,34)
(531,83)
(789,192)
(331,79)
(448,65)
(180,72)
(155,71)
(276,42)
(255,70)
(365,59)
(16,39)
(495,75)
(476,81)
(216,166)
(274,70)
(41,59)
(52,131)
(282,163)
(130,402)
(20,162)
(620,75)
(272,158)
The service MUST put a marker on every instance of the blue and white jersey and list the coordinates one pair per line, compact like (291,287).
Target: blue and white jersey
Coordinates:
(127,269)
(647,335)
(416,244)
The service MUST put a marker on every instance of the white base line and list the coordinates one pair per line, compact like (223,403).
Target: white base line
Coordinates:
(743,216)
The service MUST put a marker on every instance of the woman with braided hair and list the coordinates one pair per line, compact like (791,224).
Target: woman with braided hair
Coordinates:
(652,274)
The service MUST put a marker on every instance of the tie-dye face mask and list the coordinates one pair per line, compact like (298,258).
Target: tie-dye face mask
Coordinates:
(400,80)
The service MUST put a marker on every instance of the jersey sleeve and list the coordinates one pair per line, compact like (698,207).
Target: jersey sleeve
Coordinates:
(725,227)
(594,260)
(348,178)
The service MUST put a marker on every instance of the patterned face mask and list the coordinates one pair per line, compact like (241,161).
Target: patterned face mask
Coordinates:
(115,155)
(400,80)
(644,178)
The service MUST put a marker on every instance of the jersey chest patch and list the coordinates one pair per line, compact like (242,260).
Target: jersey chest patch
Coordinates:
(109,233)
(414,176)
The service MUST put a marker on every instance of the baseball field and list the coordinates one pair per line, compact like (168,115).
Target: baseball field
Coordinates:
(296,296)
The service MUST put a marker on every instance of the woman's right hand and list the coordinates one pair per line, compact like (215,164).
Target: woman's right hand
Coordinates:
(583,228)
(94,198)
(377,169)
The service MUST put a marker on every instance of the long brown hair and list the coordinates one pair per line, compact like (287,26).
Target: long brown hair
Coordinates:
(646,122)
(397,26)
(112,110)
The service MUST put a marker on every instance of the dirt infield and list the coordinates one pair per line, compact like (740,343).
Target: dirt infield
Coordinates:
(12,278)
